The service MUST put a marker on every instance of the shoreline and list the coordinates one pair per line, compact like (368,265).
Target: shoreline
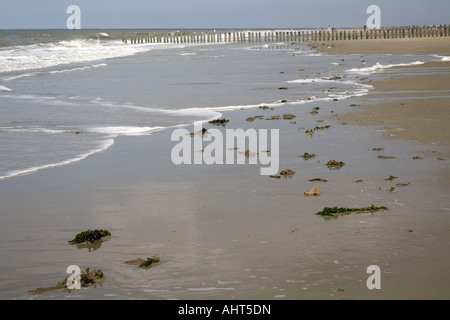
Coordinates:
(397,104)
(226,232)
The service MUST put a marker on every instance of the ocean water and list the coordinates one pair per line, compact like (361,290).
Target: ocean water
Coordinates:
(66,95)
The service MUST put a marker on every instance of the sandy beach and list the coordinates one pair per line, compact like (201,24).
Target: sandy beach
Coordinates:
(386,46)
(227,232)
(417,97)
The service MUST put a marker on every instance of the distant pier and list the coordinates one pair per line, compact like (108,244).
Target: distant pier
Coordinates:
(285,36)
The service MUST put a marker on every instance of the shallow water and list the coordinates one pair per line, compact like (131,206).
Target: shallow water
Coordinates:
(64,96)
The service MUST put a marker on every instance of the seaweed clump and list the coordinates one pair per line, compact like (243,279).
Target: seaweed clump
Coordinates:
(90,236)
(87,278)
(335,212)
(141,263)
(288,116)
(307,156)
(251,119)
(148,263)
(221,122)
(321,128)
(333,164)
(287,173)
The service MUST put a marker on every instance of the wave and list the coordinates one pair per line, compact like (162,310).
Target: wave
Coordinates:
(378,67)
(357,90)
(31,130)
(193,112)
(44,55)
(106,145)
(442,58)
(3,88)
(33,74)
(124,130)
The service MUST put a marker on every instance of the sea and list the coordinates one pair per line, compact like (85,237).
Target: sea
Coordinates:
(68,94)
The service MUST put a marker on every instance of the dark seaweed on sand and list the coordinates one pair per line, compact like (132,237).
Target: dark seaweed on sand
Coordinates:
(335,212)
(90,236)
(149,262)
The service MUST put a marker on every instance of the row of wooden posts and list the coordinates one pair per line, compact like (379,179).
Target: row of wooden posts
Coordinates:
(285,36)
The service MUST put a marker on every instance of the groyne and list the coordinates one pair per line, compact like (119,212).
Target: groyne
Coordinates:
(285,35)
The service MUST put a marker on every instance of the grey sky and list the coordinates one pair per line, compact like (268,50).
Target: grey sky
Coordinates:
(104,14)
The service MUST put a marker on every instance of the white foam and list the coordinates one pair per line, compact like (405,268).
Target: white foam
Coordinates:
(3,88)
(33,74)
(43,55)
(123,130)
(315,80)
(31,130)
(106,144)
(378,66)
(322,80)
(442,58)
(209,113)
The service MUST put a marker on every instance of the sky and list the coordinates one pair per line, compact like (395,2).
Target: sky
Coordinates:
(178,14)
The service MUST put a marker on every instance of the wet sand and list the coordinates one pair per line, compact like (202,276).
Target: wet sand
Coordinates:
(414,100)
(226,232)
(385,46)
(416,108)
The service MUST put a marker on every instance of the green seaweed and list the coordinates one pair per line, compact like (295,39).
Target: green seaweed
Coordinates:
(90,235)
(251,119)
(149,262)
(222,121)
(318,180)
(288,116)
(335,212)
(321,128)
(333,164)
(391,178)
(275,177)
(307,156)
(284,101)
